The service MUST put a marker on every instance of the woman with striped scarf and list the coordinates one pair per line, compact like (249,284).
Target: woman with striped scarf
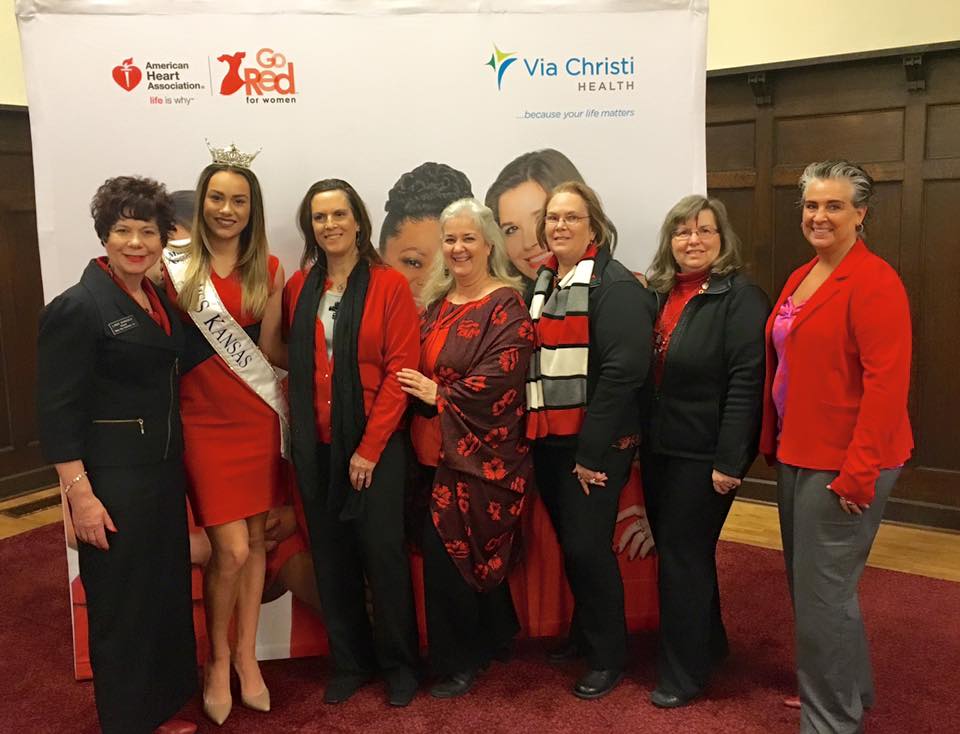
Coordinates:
(594,322)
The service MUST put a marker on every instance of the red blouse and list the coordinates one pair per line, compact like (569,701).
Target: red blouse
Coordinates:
(687,285)
(389,341)
(425,432)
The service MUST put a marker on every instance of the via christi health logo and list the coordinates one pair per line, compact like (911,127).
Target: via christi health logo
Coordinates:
(501,61)
(127,75)
(272,73)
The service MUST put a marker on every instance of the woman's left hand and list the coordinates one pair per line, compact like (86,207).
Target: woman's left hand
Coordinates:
(589,478)
(849,506)
(416,384)
(637,535)
(361,472)
(723,483)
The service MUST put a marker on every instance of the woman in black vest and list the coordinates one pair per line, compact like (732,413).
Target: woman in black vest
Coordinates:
(110,423)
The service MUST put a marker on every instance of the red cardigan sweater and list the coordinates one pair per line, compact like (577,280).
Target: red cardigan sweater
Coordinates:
(849,355)
(389,340)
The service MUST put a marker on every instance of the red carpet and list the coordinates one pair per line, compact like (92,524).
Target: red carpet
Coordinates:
(914,626)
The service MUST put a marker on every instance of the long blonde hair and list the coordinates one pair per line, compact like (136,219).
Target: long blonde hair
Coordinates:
(251,258)
(440,282)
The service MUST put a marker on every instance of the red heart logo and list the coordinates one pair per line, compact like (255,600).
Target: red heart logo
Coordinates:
(127,75)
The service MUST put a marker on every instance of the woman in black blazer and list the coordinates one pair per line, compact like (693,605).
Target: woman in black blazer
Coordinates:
(702,430)
(108,403)
(593,323)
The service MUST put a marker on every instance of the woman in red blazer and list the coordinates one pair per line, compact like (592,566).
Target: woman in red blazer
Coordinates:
(835,421)
(352,326)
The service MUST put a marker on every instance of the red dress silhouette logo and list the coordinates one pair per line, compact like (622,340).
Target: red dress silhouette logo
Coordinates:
(127,75)
(232,81)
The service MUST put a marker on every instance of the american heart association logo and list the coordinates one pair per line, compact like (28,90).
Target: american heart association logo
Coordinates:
(127,75)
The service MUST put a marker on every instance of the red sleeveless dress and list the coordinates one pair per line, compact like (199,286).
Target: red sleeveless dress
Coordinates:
(231,437)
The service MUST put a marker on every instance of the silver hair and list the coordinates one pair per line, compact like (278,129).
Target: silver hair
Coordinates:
(861,181)
(441,281)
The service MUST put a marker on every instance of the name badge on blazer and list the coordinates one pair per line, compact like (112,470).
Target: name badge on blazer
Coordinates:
(121,325)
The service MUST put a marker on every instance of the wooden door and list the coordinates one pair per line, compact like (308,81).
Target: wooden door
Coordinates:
(21,298)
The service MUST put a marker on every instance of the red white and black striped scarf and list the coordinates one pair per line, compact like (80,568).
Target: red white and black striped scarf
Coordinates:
(557,379)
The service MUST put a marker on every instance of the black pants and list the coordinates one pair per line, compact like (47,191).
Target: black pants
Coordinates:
(584,526)
(686,516)
(371,547)
(465,627)
(139,606)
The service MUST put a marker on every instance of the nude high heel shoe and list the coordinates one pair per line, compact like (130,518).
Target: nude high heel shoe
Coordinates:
(259,702)
(217,712)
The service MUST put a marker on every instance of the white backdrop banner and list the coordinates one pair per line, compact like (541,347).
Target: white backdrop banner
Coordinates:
(363,90)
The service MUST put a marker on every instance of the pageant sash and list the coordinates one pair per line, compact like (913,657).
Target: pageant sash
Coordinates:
(233,344)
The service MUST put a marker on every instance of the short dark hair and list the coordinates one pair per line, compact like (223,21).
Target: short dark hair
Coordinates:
(131,197)
(312,252)
(422,193)
(184,207)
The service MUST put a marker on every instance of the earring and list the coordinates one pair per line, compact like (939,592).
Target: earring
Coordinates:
(859,227)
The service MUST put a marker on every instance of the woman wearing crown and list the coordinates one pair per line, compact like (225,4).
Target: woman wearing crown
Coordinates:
(234,414)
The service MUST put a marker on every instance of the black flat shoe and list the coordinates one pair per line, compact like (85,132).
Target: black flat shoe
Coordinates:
(343,685)
(664,700)
(597,683)
(454,685)
(401,692)
(566,650)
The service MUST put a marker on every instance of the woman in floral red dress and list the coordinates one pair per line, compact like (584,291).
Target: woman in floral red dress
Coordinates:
(476,342)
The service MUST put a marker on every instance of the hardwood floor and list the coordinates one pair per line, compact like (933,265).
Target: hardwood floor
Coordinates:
(934,553)
(921,551)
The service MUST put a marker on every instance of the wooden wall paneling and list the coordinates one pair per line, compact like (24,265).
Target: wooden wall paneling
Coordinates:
(865,137)
(21,298)
(855,86)
(910,144)
(731,146)
(938,350)
(942,123)
(911,239)
(762,245)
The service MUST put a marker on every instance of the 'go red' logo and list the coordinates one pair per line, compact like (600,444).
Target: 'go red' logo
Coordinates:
(273,73)
(127,75)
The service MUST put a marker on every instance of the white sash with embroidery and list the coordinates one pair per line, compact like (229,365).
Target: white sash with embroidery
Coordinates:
(233,344)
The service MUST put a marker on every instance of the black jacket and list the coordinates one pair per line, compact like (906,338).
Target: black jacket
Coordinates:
(621,328)
(709,402)
(108,382)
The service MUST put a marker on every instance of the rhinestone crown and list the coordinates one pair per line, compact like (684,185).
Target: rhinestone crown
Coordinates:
(232,156)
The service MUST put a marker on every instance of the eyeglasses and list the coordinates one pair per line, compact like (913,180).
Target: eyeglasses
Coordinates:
(571,219)
(685,234)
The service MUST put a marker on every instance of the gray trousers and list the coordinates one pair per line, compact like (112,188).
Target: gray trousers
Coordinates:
(825,550)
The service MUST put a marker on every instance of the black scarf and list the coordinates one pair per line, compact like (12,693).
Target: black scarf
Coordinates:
(348,415)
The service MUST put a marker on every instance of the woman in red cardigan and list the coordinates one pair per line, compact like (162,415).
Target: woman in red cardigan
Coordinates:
(352,326)
(835,420)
